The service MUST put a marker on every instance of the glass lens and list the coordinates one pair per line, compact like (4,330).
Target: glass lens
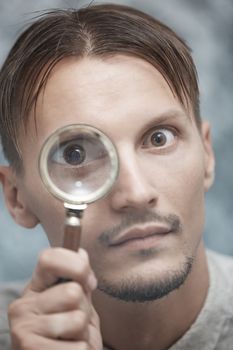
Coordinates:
(78,164)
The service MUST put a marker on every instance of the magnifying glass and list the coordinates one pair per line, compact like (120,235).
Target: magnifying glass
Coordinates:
(78,164)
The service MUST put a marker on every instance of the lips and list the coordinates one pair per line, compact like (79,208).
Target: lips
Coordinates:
(139,233)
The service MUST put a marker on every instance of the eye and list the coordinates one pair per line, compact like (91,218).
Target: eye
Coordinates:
(160,138)
(74,154)
(78,153)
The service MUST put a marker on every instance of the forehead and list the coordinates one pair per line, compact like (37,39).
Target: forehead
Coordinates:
(102,92)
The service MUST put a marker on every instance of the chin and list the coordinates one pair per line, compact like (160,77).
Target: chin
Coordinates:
(146,283)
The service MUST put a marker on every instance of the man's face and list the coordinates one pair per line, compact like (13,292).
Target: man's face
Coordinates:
(149,226)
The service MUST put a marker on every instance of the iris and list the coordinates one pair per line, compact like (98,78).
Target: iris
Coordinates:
(74,154)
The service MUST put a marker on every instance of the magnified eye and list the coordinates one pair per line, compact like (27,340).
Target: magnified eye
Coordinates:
(160,138)
(78,153)
(74,154)
(78,164)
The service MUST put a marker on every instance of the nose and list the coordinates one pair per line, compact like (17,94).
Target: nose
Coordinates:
(134,188)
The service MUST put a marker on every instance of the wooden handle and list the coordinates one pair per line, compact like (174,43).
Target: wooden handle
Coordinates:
(72,233)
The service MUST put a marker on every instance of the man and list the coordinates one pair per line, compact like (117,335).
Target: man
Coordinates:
(143,278)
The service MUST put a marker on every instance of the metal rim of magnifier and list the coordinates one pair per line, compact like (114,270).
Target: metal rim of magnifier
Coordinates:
(64,196)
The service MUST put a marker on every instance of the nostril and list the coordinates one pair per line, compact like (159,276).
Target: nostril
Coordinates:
(152,201)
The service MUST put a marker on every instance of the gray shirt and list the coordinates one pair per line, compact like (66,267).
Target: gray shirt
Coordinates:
(212,330)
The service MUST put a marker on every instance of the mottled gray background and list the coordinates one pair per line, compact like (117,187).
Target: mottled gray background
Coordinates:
(208,28)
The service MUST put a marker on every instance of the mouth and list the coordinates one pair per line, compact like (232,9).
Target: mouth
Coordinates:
(141,237)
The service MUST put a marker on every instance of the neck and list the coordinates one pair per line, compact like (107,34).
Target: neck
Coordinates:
(158,324)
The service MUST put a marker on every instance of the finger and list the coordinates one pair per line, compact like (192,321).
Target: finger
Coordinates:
(59,262)
(36,342)
(71,325)
(60,298)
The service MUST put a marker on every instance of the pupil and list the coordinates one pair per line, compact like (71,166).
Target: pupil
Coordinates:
(158,138)
(74,154)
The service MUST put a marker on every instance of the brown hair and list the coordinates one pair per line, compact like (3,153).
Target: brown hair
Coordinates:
(97,30)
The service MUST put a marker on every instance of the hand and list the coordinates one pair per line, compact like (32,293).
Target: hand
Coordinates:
(53,316)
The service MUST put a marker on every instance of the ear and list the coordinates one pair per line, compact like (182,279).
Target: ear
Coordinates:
(15,202)
(209,155)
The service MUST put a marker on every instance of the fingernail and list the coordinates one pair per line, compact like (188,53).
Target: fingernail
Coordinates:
(92,282)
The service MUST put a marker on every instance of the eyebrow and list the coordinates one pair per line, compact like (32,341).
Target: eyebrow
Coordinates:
(169,114)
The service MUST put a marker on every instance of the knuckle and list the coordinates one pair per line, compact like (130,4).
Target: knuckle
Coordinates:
(83,269)
(45,257)
(85,258)
(80,320)
(72,292)
(16,308)
(13,309)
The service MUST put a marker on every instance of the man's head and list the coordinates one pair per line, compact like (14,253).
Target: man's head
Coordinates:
(134,79)
(96,31)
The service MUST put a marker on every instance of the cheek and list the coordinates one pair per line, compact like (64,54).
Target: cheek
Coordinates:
(52,220)
(49,211)
(94,222)
(186,191)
